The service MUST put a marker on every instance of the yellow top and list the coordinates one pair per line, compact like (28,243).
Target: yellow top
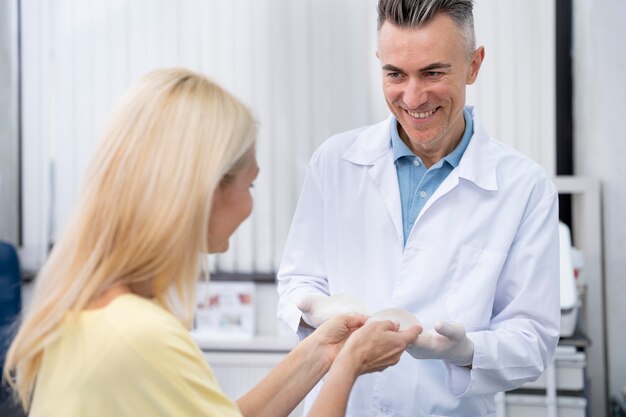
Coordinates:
(130,358)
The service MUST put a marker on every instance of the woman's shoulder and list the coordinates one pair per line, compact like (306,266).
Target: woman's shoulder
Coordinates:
(133,350)
(141,325)
(131,314)
(132,308)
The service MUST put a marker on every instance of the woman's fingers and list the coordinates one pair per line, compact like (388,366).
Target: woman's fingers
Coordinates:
(412,334)
(354,321)
(379,344)
(374,347)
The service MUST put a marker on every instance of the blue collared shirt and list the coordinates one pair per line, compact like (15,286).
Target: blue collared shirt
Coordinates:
(417,183)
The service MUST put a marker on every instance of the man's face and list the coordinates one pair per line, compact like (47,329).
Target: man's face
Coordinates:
(425,73)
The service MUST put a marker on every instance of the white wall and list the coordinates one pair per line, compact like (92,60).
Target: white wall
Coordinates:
(514,94)
(302,66)
(600,148)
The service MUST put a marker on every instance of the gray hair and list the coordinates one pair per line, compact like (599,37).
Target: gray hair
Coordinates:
(417,13)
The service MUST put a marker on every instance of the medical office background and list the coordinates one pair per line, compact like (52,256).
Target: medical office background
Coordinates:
(552,85)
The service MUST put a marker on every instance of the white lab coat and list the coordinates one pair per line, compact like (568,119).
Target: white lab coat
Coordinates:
(483,252)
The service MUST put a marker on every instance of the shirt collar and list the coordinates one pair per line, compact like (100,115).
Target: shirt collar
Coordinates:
(400,149)
(397,145)
(454,157)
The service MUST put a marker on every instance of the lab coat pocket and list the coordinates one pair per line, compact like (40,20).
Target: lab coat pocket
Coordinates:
(473,286)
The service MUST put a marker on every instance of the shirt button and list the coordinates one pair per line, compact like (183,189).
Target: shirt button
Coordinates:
(416,162)
(422,194)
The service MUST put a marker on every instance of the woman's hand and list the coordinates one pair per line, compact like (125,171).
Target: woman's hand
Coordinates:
(330,337)
(377,345)
(287,384)
(373,347)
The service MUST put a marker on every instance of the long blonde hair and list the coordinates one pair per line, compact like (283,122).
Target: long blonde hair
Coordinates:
(142,215)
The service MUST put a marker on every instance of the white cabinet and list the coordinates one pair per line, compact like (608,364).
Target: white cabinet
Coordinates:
(240,365)
(559,391)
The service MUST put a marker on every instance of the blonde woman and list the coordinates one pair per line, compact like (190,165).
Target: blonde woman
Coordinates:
(106,331)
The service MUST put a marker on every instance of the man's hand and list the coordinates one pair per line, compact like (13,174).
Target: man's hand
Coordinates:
(447,341)
(316,308)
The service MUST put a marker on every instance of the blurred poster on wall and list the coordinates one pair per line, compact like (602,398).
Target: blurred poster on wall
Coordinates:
(225,310)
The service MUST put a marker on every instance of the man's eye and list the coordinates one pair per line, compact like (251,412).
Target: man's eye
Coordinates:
(432,74)
(393,75)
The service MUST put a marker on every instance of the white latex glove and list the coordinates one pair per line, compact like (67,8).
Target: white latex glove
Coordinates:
(316,308)
(447,341)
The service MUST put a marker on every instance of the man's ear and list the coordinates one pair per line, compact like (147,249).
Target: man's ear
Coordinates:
(477,60)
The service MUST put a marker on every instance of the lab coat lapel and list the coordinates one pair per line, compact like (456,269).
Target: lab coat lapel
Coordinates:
(372,149)
(479,162)
(383,173)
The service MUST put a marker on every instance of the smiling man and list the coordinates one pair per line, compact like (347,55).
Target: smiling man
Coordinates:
(427,213)
(425,91)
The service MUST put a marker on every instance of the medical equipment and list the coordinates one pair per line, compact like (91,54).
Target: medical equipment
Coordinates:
(557,392)
(569,295)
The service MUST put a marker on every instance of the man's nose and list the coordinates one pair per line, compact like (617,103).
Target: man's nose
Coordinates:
(415,94)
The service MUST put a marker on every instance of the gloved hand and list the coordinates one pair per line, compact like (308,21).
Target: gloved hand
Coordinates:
(447,341)
(317,308)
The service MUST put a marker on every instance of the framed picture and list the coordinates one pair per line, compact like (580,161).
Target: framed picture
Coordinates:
(225,310)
